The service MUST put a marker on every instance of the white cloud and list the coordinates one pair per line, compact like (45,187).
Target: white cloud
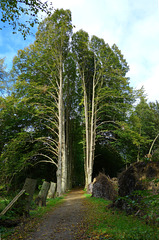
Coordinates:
(66,4)
(141,51)
(151,85)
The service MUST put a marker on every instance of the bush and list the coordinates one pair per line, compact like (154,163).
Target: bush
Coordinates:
(141,203)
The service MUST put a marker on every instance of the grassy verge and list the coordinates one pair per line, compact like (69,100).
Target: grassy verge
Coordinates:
(107,223)
(38,212)
(28,225)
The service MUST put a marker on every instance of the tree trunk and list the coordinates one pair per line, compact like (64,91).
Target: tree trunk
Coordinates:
(87,152)
(90,123)
(64,155)
(68,143)
(92,135)
(61,144)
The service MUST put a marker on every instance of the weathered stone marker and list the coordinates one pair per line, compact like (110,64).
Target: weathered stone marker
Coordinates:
(52,190)
(29,187)
(41,199)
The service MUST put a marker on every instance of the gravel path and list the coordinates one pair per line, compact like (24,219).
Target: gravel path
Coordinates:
(65,222)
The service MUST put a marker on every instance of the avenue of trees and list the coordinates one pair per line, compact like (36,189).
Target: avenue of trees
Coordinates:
(67,109)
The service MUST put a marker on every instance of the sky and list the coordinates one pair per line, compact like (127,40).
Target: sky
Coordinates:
(133,25)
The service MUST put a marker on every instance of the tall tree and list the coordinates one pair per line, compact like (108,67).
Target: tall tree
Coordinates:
(72,98)
(50,79)
(40,69)
(59,29)
(80,42)
(105,87)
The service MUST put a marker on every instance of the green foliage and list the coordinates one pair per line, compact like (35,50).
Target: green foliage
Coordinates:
(155,156)
(36,74)
(36,213)
(130,142)
(3,203)
(29,125)
(107,223)
(16,156)
(144,204)
(13,11)
(4,78)
(140,234)
(107,95)
(40,185)
(137,133)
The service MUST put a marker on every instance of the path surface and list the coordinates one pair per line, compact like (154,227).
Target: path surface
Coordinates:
(65,221)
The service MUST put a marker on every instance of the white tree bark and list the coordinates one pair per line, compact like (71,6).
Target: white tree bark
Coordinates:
(64,156)
(86,132)
(60,128)
(90,125)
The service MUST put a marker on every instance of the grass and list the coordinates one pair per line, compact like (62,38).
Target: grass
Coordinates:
(106,223)
(3,203)
(50,204)
(101,222)
(36,215)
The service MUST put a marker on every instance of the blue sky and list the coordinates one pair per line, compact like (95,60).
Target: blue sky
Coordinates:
(133,25)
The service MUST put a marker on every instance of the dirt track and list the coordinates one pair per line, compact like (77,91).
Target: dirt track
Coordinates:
(65,222)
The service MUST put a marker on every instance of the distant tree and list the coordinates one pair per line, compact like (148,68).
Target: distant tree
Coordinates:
(16,146)
(136,135)
(12,12)
(3,78)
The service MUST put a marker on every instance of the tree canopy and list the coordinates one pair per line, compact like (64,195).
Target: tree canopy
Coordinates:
(71,107)
(13,12)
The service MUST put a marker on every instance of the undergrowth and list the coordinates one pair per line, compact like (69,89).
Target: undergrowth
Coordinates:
(28,225)
(143,204)
(107,223)
(100,222)
(40,211)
